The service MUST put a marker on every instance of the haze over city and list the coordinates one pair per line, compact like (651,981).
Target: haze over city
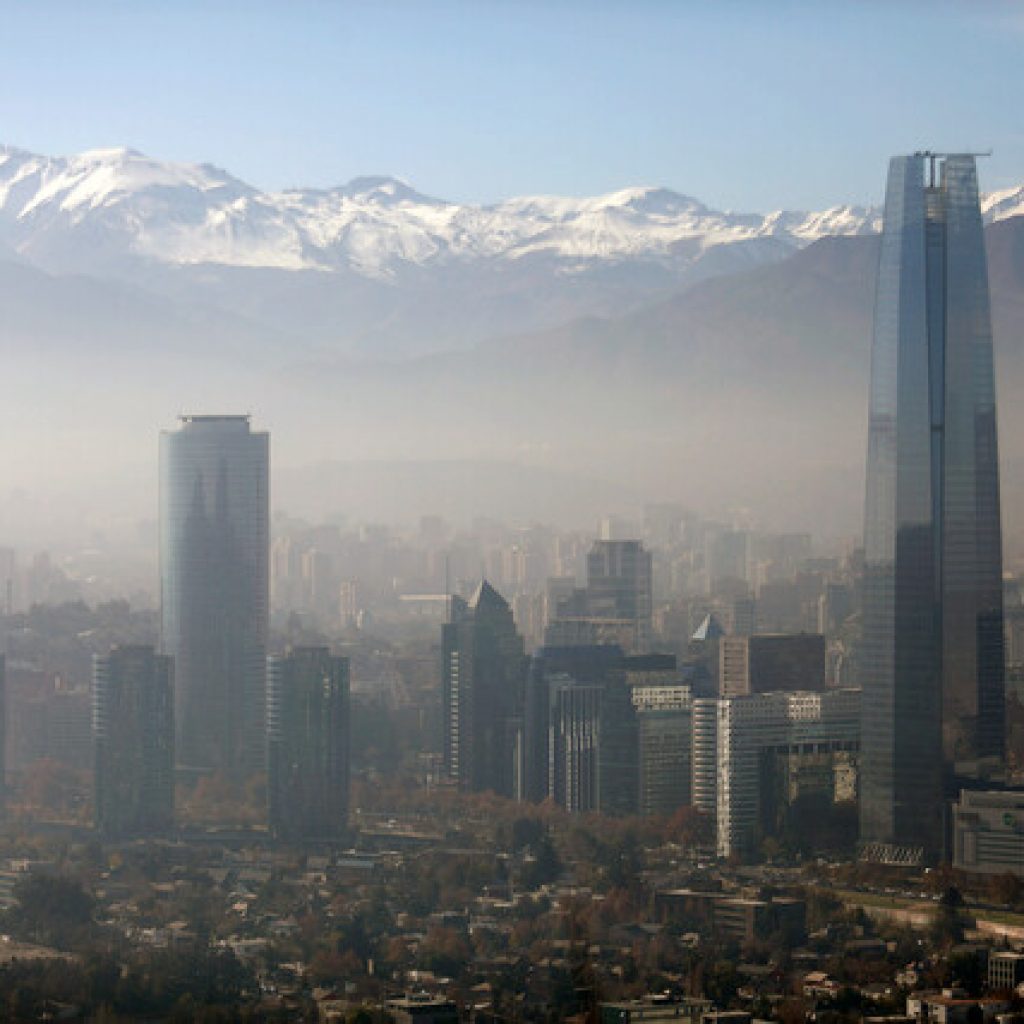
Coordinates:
(512,512)
(334,316)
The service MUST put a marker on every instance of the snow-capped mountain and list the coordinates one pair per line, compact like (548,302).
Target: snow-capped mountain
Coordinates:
(374,267)
(116,204)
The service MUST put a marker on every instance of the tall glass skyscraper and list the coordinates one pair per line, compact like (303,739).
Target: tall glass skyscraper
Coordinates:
(483,670)
(933,618)
(214,569)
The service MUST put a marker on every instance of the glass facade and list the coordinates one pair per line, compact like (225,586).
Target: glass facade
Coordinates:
(214,569)
(133,741)
(483,673)
(308,731)
(933,658)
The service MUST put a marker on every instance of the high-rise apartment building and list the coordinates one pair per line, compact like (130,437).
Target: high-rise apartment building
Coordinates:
(308,744)
(933,617)
(483,672)
(214,569)
(133,741)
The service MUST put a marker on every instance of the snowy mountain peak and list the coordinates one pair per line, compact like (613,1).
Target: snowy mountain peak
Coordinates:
(383,189)
(105,208)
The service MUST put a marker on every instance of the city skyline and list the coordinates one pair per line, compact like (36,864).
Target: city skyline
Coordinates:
(505,514)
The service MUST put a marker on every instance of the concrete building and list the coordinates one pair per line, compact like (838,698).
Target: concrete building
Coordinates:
(421,1008)
(752,734)
(133,739)
(954,1006)
(658,1009)
(988,832)
(665,726)
(1005,971)
(704,756)
(732,915)
(308,744)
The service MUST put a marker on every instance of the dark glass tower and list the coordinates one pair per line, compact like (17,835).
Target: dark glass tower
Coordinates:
(214,569)
(308,730)
(133,741)
(483,668)
(933,647)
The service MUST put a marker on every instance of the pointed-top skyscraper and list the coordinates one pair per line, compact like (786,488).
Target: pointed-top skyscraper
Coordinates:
(484,666)
(933,618)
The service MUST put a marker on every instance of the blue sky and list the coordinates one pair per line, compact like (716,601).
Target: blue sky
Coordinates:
(745,105)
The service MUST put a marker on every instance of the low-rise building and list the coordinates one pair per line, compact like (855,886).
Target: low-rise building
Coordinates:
(733,916)
(654,1009)
(953,1006)
(988,832)
(1005,971)
(421,1008)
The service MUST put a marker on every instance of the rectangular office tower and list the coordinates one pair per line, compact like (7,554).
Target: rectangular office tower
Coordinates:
(308,745)
(133,741)
(619,586)
(933,616)
(214,587)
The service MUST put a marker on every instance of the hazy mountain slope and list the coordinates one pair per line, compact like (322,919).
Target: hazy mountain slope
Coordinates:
(106,320)
(744,389)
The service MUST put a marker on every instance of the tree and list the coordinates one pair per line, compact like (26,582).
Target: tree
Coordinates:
(1006,889)
(51,909)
